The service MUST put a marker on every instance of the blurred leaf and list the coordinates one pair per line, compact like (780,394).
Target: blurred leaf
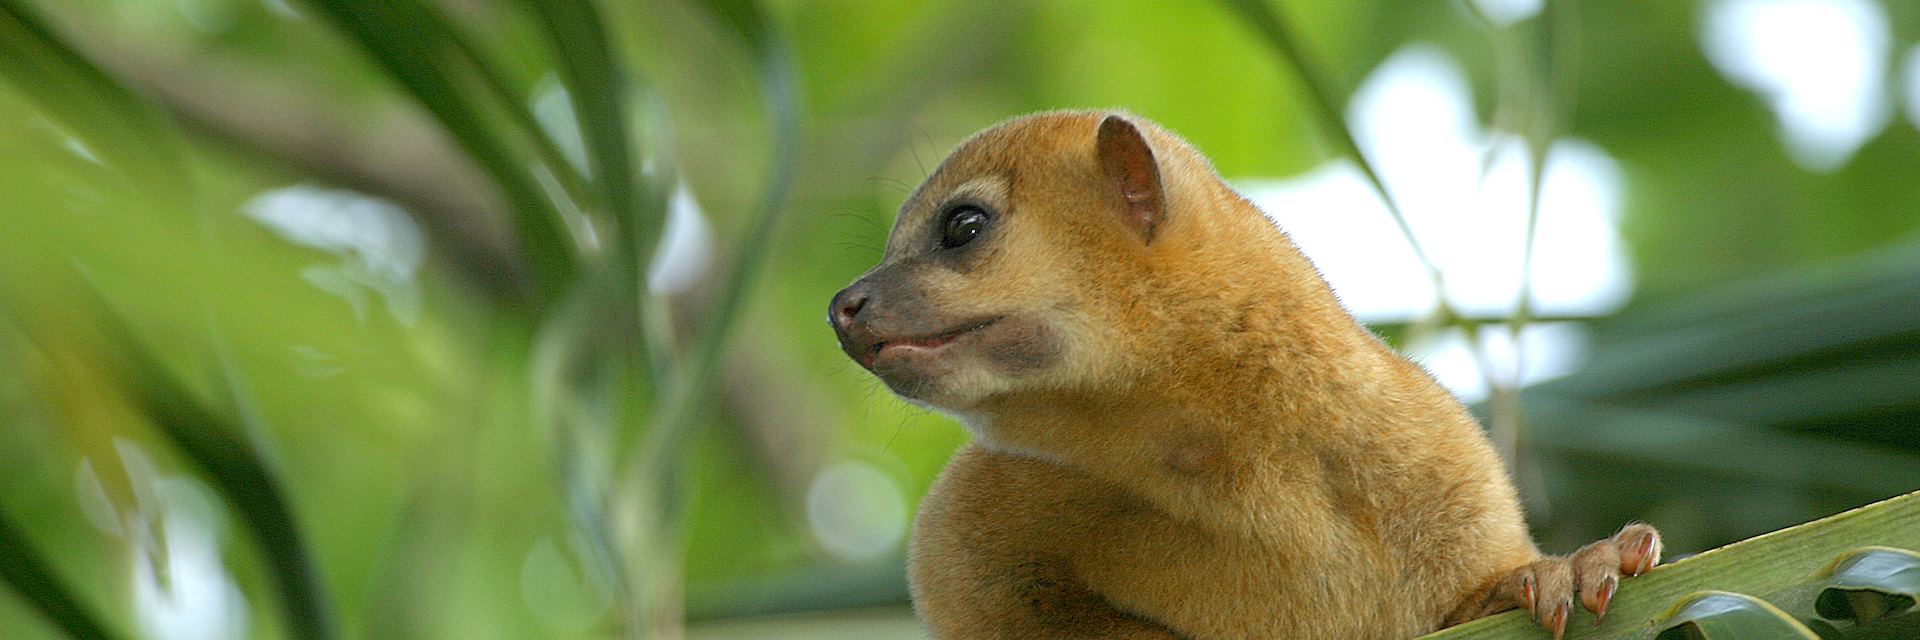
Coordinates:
(1752,389)
(113,122)
(744,18)
(1781,322)
(695,376)
(512,100)
(23,568)
(216,445)
(1718,615)
(1869,584)
(598,92)
(1680,445)
(598,95)
(398,35)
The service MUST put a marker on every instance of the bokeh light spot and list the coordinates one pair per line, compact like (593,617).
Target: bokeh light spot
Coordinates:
(1821,65)
(856,511)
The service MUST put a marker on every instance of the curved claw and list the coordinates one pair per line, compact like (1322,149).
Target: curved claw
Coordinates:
(1546,588)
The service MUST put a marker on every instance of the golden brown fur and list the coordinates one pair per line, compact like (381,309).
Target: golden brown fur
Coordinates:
(1179,431)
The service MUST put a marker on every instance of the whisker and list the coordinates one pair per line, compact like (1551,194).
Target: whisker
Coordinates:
(916,151)
(902,187)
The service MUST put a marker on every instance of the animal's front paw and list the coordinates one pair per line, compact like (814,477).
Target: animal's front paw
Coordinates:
(1546,587)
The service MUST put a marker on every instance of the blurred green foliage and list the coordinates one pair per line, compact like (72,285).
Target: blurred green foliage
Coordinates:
(1766,372)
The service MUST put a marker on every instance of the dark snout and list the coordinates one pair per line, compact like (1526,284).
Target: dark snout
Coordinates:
(851,314)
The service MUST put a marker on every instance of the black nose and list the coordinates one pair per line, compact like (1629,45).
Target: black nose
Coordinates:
(846,307)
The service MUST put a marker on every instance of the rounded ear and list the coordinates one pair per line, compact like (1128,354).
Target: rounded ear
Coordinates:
(1131,174)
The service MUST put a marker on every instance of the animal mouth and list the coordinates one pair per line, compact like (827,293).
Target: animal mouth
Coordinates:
(929,343)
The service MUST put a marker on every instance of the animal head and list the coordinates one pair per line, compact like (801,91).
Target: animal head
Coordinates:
(1075,252)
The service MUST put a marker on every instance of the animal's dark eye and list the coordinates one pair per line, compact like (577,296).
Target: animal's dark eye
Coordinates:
(964,222)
